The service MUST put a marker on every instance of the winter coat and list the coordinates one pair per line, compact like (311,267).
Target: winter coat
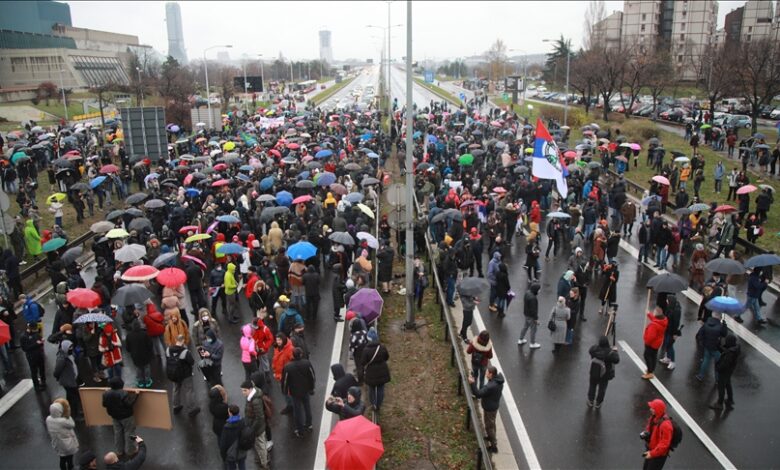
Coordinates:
(492,270)
(374,360)
(628,211)
(282,356)
(65,370)
(727,234)
(342,381)
(710,333)
(531,303)
(32,239)
(311,283)
(560,315)
(481,354)
(228,440)
(61,431)
(255,412)
(490,393)
(385,258)
(140,346)
(119,403)
(247,343)
(660,429)
(298,378)
(172,330)
(655,330)
(603,352)
(219,411)
(728,357)
(154,321)
(502,281)
(111,346)
(199,328)
(231,285)
(275,236)
(348,410)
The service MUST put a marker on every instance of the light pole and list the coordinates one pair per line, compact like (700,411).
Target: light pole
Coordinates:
(208,94)
(409,252)
(140,86)
(387,57)
(262,75)
(62,89)
(566,97)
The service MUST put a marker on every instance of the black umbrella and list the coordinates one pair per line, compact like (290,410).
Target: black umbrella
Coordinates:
(305,184)
(682,211)
(140,223)
(453,213)
(131,294)
(165,259)
(80,187)
(369,181)
(154,204)
(342,238)
(473,286)
(768,259)
(136,198)
(725,266)
(667,283)
(269,213)
(135,212)
(62,163)
(72,254)
(113,215)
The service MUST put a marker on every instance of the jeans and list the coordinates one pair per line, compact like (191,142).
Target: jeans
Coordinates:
(709,354)
(123,429)
(661,254)
(668,345)
(478,372)
(143,374)
(301,412)
(530,323)
(237,465)
(601,384)
(718,185)
(589,228)
(450,290)
(753,305)
(376,394)
(115,371)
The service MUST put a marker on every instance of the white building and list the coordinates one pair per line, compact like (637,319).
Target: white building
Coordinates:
(326,49)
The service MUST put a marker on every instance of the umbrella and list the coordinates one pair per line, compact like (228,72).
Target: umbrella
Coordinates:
(58,197)
(473,286)
(131,294)
(594,164)
(284,198)
(304,184)
(101,227)
(768,259)
(661,179)
(352,167)
(194,260)
(354,444)
(725,208)
(767,187)
(370,239)
(325,179)
(94,183)
(136,198)
(698,207)
(354,198)
(266,198)
(83,298)
(266,183)
(342,238)
(323,153)
(667,283)
(369,181)
(130,253)
(301,251)
(106,169)
(171,277)
(725,266)
(164,260)
(230,249)
(143,272)
(54,244)
(748,188)
(154,204)
(339,189)
(759,136)
(71,254)
(449,213)
(466,159)
(5,333)
(682,160)
(725,305)
(189,228)
(682,211)
(219,183)
(302,199)
(117,233)
(559,215)
(229,219)
(134,212)
(366,210)
(269,213)
(197,237)
(368,303)
(140,223)
(94,317)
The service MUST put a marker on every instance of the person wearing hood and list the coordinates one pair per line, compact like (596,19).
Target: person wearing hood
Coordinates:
(174,328)
(608,292)
(205,323)
(469,303)
(338,290)
(342,381)
(119,403)
(62,432)
(298,381)
(560,315)
(658,436)
(311,285)
(531,314)
(275,236)
(724,367)
(283,350)
(490,398)
(67,374)
(376,371)
(210,355)
(110,347)
(248,351)
(565,283)
(350,408)
(141,348)
(502,289)
(602,369)
(481,350)
(708,338)
(492,271)
(231,293)
(653,337)
(32,239)
(218,407)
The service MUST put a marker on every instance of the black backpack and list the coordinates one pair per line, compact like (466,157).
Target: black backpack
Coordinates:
(677,434)
(174,366)
(246,438)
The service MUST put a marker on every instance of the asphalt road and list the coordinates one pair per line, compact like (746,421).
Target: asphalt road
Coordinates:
(368,76)
(420,95)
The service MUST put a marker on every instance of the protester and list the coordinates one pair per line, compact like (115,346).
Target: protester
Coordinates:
(602,369)
(119,405)
(653,337)
(61,428)
(657,435)
(256,418)
(490,398)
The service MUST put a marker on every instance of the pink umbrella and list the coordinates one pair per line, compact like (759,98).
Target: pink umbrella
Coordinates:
(499,190)
(224,182)
(194,260)
(748,188)
(661,179)
(188,179)
(635,146)
(302,199)
(220,166)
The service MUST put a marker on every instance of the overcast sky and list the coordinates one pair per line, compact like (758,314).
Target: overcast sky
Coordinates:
(441,29)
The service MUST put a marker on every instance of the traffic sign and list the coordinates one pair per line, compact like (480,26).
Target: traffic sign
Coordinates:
(428,76)
(505,97)
(396,194)
(462,96)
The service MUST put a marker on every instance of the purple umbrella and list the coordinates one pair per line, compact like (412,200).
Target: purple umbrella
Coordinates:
(368,303)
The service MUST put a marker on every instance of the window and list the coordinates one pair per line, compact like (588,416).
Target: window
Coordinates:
(682,26)
(642,28)
(679,59)
(748,37)
(750,29)
(644,16)
(682,37)
(684,13)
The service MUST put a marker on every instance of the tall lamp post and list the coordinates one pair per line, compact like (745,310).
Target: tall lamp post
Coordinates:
(387,57)
(566,98)
(409,252)
(206,68)
(140,86)
(64,101)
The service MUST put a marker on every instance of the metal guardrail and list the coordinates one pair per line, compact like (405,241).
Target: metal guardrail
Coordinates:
(457,359)
(35,268)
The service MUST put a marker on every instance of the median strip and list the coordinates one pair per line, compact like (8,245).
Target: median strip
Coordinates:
(323,96)
(438,91)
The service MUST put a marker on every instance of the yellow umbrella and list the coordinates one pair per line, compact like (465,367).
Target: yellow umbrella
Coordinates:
(229,146)
(117,233)
(366,210)
(58,197)
(197,237)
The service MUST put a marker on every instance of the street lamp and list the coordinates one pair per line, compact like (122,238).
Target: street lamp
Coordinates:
(389,62)
(566,98)
(206,68)
(140,85)
(64,101)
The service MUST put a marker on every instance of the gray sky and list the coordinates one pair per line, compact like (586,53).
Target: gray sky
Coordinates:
(441,29)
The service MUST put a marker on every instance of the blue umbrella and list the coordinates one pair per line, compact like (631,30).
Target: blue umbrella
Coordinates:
(246,168)
(304,175)
(284,198)
(229,219)
(366,136)
(416,135)
(96,182)
(301,251)
(230,249)
(725,305)
(354,198)
(432,139)
(192,192)
(266,183)
(372,155)
(326,179)
(768,259)
(243,177)
(323,153)
(648,199)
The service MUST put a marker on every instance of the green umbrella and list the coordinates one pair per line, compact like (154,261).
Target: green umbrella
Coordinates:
(54,244)
(18,156)
(466,159)
(705,126)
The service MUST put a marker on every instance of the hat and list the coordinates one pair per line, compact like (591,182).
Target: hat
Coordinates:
(86,458)
(284,298)
(247,385)
(699,246)
(350,315)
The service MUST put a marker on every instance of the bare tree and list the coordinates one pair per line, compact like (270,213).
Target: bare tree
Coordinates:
(176,84)
(633,77)
(757,74)
(718,74)
(660,75)
(46,91)
(610,64)
(226,75)
(594,14)
(583,75)
(496,57)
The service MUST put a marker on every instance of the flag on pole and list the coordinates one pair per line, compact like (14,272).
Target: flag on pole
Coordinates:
(547,162)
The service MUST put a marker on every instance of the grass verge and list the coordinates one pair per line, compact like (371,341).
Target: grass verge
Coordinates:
(327,93)
(439,91)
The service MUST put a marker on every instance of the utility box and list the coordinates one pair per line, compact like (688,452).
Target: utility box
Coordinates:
(145,134)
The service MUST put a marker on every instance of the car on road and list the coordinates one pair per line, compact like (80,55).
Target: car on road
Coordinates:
(674,115)
(766,111)
(738,121)
(719,119)
(775,114)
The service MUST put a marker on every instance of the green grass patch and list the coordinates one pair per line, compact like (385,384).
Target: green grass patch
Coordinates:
(328,92)
(439,91)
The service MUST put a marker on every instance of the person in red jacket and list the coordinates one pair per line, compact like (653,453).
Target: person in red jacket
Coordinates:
(536,212)
(264,340)
(155,327)
(658,435)
(654,337)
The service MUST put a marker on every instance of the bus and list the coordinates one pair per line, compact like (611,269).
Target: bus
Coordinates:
(306,87)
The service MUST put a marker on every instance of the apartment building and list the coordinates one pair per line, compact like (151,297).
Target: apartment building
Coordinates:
(607,32)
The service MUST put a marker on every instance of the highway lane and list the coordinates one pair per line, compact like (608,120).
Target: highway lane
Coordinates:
(420,95)
(368,76)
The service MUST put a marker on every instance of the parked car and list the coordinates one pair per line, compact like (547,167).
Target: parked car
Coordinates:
(739,121)
(674,115)
(719,119)
(766,111)
(775,114)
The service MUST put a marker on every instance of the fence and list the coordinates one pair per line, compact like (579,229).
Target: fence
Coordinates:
(34,270)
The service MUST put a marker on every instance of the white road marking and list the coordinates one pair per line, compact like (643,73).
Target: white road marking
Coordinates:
(743,333)
(703,437)
(514,412)
(14,395)
(326,422)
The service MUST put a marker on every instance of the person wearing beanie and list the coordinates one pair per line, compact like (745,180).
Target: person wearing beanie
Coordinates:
(602,370)
(349,408)
(119,403)
(87,460)
(211,352)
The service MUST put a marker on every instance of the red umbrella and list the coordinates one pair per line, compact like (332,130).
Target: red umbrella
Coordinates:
(275,153)
(188,228)
(83,298)
(5,333)
(106,169)
(220,167)
(725,208)
(354,444)
(171,277)
(143,272)
(72,152)
(661,179)
(302,199)
(188,179)
(293,146)
(222,182)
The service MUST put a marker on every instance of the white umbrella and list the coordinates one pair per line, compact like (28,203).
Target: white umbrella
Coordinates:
(370,239)
(130,253)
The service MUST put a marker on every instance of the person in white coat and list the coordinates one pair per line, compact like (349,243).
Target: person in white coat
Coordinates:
(61,429)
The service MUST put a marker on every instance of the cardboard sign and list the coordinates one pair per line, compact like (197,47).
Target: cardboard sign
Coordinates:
(151,410)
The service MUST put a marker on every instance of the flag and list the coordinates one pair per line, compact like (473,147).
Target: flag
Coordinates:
(547,163)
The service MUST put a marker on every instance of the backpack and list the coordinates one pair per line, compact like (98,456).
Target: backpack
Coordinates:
(476,357)
(288,323)
(677,434)
(246,438)
(602,367)
(174,367)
